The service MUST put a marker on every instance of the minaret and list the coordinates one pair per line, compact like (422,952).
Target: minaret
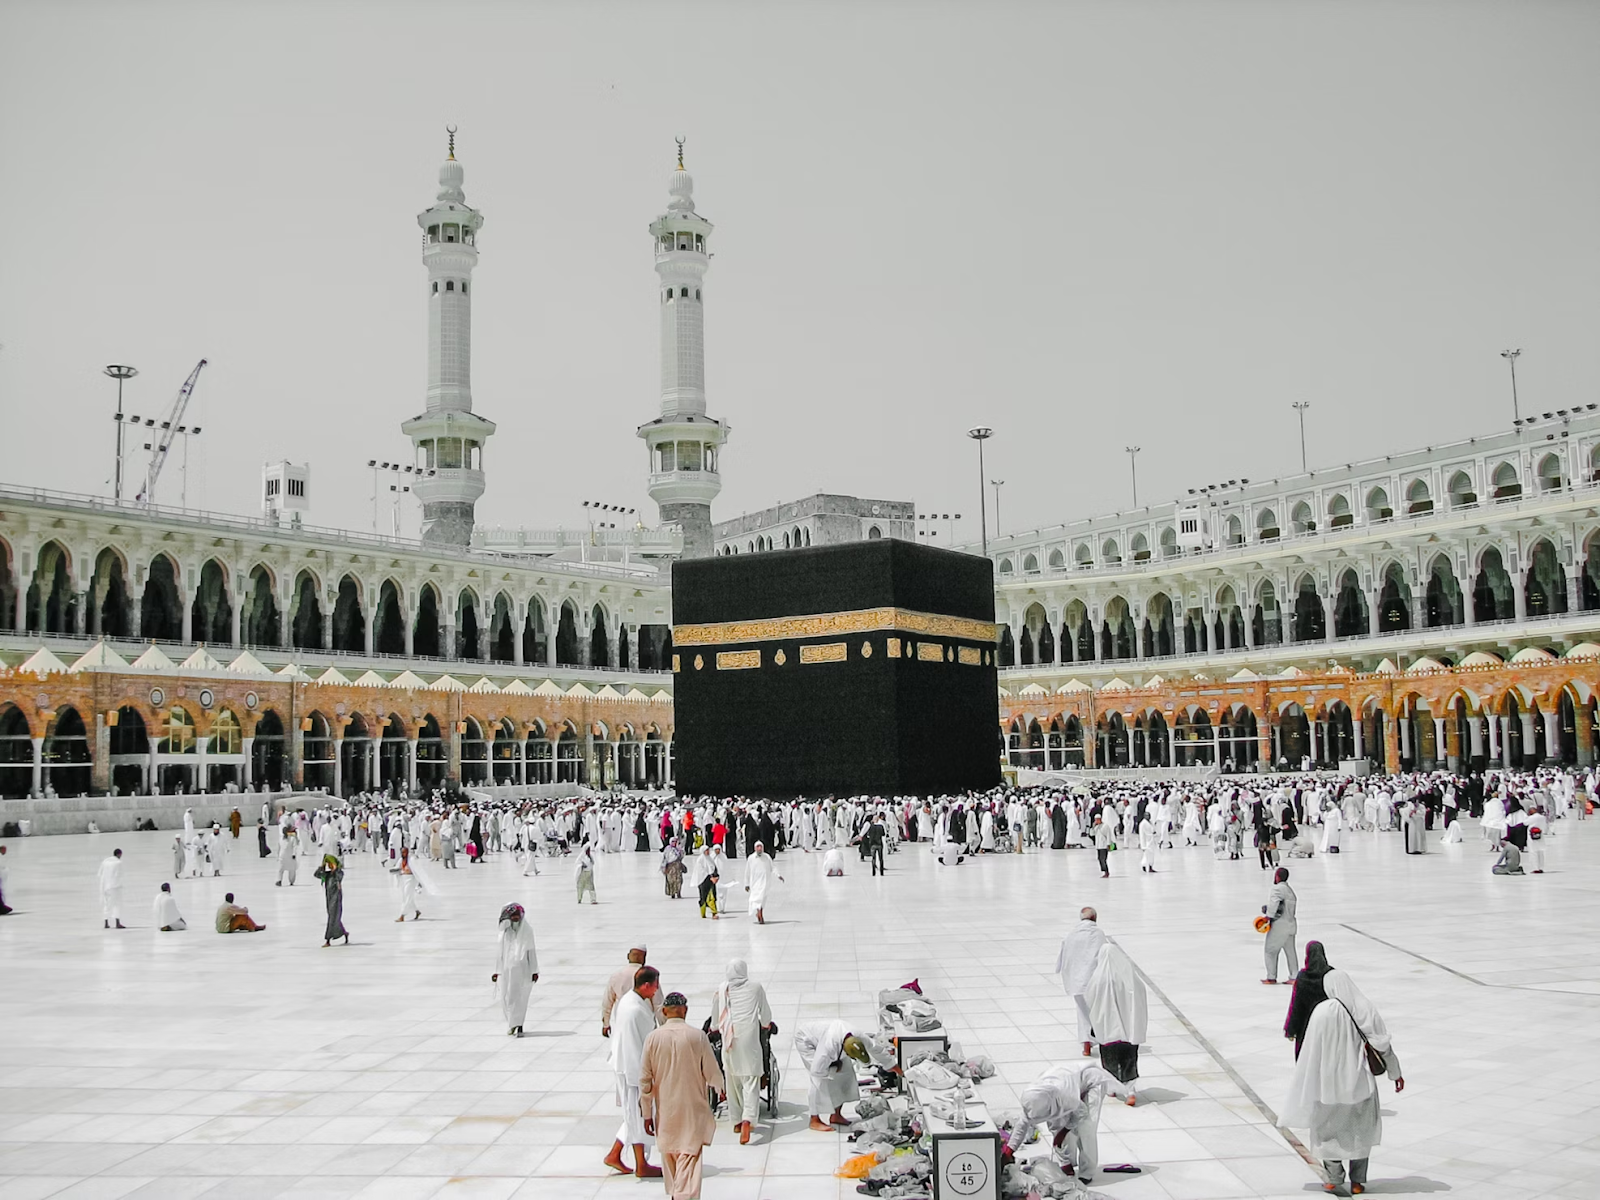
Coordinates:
(684,442)
(449,436)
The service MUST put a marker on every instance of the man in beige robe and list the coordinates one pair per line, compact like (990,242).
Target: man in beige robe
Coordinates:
(620,984)
(675,1073)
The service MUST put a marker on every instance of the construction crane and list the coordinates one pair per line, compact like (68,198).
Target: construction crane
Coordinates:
(166,429)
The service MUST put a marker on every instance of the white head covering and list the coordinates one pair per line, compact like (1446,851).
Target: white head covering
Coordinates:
(1116,999)
(1332,1067)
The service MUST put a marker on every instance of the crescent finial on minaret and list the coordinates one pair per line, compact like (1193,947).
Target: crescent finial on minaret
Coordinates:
(680,152)
(451,130)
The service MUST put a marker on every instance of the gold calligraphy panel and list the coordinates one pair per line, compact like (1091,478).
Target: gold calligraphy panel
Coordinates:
(866,620)
(969,656)
(825,653)
(738,660)
(930,652)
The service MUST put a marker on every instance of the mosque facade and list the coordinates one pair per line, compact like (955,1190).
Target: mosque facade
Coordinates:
(1433,608)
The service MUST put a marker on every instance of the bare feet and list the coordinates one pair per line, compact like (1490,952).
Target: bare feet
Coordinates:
(1269,981)
(648,1171)
(1132,1099)
(820,1125)
(744,1133)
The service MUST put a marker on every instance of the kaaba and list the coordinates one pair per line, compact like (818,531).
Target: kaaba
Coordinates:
(866,668)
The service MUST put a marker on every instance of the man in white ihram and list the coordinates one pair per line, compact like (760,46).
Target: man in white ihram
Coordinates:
(824,1047)
(632,1020)
(1066,1101)
(1080,951)
(110,879)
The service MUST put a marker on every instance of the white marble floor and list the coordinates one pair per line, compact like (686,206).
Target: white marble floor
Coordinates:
(177,1065)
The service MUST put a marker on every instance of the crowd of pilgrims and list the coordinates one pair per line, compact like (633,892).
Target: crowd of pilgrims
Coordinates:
(1273,817)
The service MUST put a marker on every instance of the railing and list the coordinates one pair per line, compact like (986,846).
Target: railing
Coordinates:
(1386,641)
(81,502)
(1511,506)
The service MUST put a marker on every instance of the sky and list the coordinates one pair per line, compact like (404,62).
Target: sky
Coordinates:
(1087,226)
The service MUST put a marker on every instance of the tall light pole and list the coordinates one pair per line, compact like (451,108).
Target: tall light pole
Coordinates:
(119,373)
(1511,357)
(981,434)
(997,484)
(1133,467)
(1300,407)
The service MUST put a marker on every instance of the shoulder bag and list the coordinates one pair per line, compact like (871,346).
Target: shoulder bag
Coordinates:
(1375,1062)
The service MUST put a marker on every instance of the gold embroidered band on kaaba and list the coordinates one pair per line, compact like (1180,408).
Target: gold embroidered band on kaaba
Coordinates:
(865,620)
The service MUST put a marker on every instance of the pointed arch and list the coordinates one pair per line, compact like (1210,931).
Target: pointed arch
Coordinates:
(1545,591)
(349,617)
(161,609)
(535,632)
(307,629)
(567,636)
(1350,617)
(389,622)
(1444,599)
(1492,596)
(110,606)
(469,637)
(599,638)
(52,599)
(425,637)
(260,624)
(502,630)
(211,615)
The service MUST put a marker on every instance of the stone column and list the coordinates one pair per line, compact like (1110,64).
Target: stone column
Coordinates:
(1358,727)
(1311,734)
(297,756)
(37,787)
(248,745)
(1391,746)
(80,616)
(372,621)
(550,642)
(1452,744)
(411,764)
(1330,609)
(1583,732)
(1475,737)
(338,760)
(238,618)
(521,618)
(1441,748)
(1503,751)
(585,646)
(202,764)
(1575,588)
(411,637)
(447,647)
(1528,734)
(150,769)
(188,619)
(1404,721)
(1171,747)
(1552,736)
(1374,612)
(1491,725)
(100,764)
(1265,737)
(1520,599)
(453,768)
(374,746)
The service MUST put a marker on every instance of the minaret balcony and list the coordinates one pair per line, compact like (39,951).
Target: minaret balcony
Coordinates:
(685,487)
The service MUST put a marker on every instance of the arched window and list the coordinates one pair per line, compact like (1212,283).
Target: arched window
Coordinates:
(1140,547)
(683,293)
(225,735)
(177,733)
(1109,552)
(1005,566)
(1057,560)
(1169,542)
(1267,525)
(1301,520)
(1030,564)
(1084,555)
(874,533)
(1378,505)
(435,287)
(1550,473)
(463,287)
(450,285)
(1339,514)
(697,293)
(1235,531)
(1506,484)
(1461,493)
(1418,498)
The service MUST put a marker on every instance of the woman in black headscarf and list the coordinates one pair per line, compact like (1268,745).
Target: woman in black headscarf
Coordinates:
(1308,993)
(476,837)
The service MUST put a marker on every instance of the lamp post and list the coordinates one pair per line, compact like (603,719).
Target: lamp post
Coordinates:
(1300,407)
(1511,357)
(1133,467)
(119,373)
(981,434)
(997,484)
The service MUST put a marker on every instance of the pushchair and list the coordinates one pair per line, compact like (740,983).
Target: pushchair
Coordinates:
(769,1067)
